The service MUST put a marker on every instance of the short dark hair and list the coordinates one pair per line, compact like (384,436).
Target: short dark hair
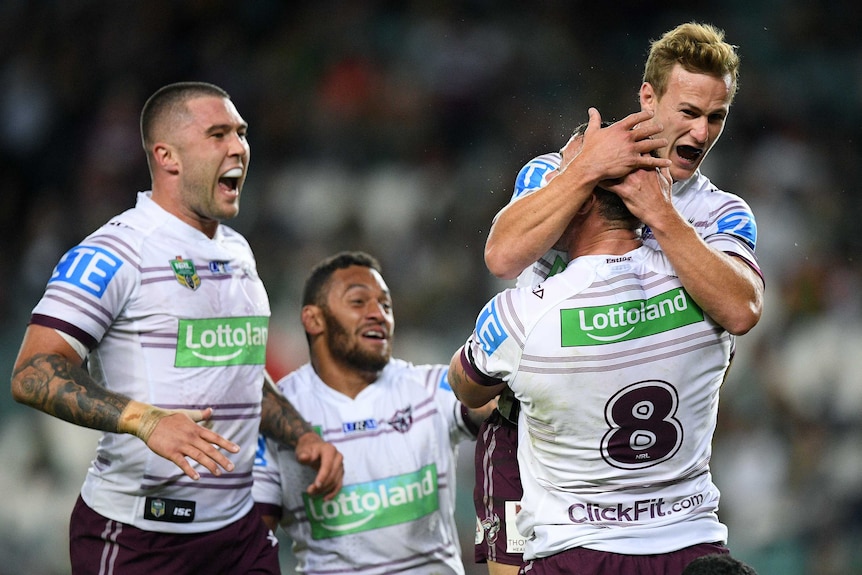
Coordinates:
(170,100)
(718,564)
(314,292)
(613,209)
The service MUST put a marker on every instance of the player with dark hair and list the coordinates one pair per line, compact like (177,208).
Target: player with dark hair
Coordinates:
(617,372)
(153,330)
(718,565)
(397,424)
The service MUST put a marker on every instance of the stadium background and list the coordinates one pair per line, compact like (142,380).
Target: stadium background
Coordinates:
(398,128)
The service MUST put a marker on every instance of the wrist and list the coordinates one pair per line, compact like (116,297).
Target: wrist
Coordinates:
(139,419)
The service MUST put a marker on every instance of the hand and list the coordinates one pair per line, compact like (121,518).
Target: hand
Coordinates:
(311,450)
(613,152)
(646,193)
(175,435)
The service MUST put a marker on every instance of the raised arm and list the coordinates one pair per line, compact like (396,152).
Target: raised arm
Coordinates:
(723,285)
(529,226)
(280,421)
(48,376)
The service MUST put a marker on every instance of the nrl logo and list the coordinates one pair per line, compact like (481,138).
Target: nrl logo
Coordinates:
(157,508)
(185,272)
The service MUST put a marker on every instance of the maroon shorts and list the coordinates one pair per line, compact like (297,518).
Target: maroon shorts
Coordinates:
(100,546)
(497,493)
(581,561)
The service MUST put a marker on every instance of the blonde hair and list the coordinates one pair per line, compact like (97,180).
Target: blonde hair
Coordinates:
(698,48)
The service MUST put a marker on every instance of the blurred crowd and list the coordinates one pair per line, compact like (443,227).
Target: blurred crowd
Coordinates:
(398,128)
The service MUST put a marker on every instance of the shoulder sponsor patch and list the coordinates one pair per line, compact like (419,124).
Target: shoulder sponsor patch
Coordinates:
(88,268)
(489,329)
(740,224)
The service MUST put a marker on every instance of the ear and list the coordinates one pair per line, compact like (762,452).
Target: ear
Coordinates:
(587,206)
(166,158)
(648,97)
(312,319)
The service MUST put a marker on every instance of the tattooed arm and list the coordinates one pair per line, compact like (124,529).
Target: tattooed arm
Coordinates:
(280,421)
(48,376)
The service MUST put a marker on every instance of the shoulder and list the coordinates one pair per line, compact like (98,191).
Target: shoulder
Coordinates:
(296,382)
(536,173)
(428,376)
(700,192)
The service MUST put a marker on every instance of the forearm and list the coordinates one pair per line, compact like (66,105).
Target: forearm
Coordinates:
(279,419)
(527,228)
(53,384)
(724,286)
(469,392)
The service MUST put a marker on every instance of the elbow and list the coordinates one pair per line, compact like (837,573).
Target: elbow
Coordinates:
(744,321)
(18,393)
(499,265)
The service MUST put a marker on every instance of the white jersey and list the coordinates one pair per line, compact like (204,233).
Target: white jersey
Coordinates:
(618,374)
(395,512)
(723,220)
(175,319)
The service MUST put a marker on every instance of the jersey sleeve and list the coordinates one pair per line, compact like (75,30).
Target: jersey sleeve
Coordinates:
(89,287)
(267,477)
(535,174)
(733,230)
(493,351)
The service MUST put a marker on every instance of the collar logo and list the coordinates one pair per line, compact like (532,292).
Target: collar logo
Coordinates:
(185,272)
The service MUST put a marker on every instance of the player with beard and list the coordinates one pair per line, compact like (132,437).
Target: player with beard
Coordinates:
(397,425)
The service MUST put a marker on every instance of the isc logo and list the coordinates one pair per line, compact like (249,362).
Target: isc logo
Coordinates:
(183,511)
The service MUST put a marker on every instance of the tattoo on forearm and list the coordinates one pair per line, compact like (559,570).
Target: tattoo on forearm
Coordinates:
(54,385)
(280,420)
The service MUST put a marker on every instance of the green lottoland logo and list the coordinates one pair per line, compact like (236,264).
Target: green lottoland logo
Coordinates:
(629,320)
(222,341)
(374,504)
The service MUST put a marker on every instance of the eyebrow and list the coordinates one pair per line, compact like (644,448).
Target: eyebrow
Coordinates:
(226,127)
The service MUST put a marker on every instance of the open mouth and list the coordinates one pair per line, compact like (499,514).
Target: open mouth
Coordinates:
(689,153)
(230,179)
(375,334)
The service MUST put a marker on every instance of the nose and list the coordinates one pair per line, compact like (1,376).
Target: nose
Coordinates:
(700,129)
(238,145)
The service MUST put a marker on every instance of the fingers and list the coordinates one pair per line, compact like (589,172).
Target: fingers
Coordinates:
(311,450)
(639,121)
(595,120)
(178,438)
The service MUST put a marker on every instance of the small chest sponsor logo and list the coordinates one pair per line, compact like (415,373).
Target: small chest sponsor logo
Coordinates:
(374,504)
(628,320)
(222,341)
(219,267)
(357,426)
(169,510)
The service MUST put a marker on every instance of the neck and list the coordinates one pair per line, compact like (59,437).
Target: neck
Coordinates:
(612,242)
